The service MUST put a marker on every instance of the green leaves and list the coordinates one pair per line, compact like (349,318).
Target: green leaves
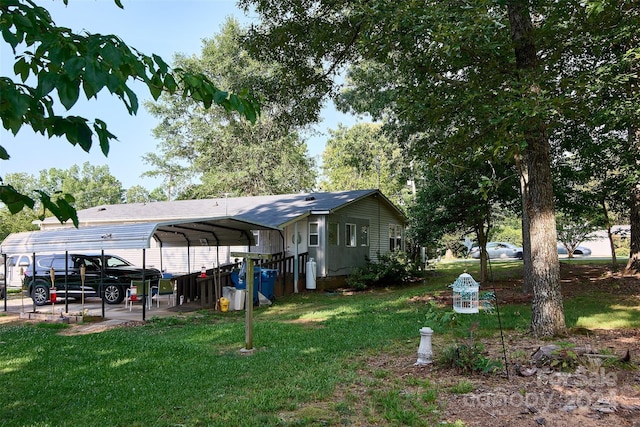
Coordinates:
(61,206)
(64,64)
(14,201)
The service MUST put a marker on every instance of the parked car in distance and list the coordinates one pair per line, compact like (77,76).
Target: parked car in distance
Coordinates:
(498,250)
(115,276)
(16,264)
(579,250)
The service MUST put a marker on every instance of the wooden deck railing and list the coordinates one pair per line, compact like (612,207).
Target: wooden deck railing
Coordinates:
(191,286)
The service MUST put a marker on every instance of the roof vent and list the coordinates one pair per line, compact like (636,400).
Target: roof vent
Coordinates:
(309,198)
(102,209)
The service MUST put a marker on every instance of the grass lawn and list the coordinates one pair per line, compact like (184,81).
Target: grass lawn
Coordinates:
(306,370)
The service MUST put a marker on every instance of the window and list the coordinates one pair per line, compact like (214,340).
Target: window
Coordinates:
(314,236)
(333,234)
(395,237)
(350,235)
(364,235)
(256,237)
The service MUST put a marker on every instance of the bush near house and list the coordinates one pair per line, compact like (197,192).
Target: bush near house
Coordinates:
(392,269)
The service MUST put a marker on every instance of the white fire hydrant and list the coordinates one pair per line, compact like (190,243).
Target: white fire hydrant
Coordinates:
(425,351)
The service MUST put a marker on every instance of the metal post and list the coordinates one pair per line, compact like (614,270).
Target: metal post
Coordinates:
(296,267)
(52,291)
(102,282)
(4,256)
(144,286)
(248,328)
(66,282)
(83,275)
(33,279)
(248,259)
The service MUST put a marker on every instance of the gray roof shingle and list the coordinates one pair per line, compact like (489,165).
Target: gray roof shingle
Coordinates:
(274,211)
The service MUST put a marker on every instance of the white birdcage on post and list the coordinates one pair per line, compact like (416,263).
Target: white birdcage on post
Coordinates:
(465,294)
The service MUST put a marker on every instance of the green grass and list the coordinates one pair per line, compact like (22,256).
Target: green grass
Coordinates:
(311,365)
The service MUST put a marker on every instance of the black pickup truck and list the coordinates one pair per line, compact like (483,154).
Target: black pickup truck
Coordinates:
(106,276)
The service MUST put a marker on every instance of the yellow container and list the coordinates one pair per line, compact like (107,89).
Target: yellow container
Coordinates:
(224,304)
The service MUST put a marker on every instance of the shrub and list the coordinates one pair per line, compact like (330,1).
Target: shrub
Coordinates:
(468,357)
(394,268)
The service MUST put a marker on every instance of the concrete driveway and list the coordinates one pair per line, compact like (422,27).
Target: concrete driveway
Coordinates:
(18,306)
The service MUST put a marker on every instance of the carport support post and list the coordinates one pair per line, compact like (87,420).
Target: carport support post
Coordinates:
(4,266)
(248,323)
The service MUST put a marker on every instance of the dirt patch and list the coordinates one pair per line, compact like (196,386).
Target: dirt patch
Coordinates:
(594,392)
(97,327)
(589,396)
(575,279)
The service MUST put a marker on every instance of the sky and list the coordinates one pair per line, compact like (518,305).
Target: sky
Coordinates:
(162,27)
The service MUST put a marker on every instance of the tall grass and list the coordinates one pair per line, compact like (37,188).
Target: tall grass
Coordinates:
(310,366)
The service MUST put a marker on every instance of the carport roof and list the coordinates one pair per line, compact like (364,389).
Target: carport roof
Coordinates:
(221,231)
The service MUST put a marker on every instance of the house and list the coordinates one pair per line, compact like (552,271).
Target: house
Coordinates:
(337,231)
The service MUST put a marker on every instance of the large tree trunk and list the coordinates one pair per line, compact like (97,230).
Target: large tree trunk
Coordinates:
(633,266)
(482,244)
(547,312)
(527,286)
(607,221)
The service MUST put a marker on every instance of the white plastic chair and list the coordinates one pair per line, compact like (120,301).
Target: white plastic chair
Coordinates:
(164,287)
(136,292)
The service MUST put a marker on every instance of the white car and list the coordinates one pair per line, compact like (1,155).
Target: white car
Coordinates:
(499,250)
(16,265)
(579,250)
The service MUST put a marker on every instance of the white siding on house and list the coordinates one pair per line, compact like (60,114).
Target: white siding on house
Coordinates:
(182,260)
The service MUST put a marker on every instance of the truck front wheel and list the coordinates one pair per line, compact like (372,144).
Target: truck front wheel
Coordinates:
(113,294)
(40,294)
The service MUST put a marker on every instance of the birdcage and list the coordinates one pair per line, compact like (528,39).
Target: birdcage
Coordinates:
(465,294)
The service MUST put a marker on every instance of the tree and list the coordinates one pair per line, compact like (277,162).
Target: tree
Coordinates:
(596,66)
(227,155)
(543,268)
(457,194)
(461,73)
(362,157)
(90,185)
(139,194)
(572,232)
(614,34)
(63,63)
(174,175)
(590,175)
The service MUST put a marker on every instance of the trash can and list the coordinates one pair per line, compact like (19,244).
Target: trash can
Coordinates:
(242,283)
(264,280)
(234,296)
(267,282)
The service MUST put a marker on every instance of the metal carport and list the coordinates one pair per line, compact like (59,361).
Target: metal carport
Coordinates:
(221,231)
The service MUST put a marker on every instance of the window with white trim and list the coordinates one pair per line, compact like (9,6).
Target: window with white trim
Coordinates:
(333,234)
(395,237)
(314,235)
(350,234)
(256,237)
